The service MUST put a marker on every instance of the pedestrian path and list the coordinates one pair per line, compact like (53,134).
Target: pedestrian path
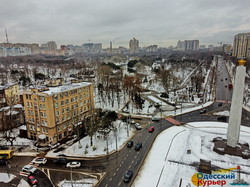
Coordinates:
(222,101)
(173,121)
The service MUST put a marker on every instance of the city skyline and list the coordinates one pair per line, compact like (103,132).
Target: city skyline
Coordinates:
(158,22)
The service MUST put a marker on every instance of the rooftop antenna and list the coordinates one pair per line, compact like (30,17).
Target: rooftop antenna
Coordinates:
(7,40)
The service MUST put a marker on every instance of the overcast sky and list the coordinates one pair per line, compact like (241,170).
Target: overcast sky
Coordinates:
(160,22)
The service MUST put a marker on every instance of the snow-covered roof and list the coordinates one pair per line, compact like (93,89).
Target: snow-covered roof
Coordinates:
(65,87)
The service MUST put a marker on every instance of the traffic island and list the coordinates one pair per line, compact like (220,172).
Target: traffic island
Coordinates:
(221,147)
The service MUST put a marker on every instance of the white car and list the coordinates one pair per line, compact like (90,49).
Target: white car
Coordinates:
(155,118)
(137,126)
(73,164)
(29,169)
(39,160)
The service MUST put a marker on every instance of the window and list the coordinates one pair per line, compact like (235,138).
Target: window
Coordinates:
(41,106)
(44,115)
(56,105)
(63,111)
(76,98)
(62,103)
(55,97)
(80,97)
(66,101)
(67,109)
(61,95)
(66,94)
(44,107)
(57,113)
(63,118)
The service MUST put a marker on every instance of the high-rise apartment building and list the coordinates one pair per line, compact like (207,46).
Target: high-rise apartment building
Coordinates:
(52,45)
(134,45)
(188,45)
(241,45)
(55,111)
(9,95)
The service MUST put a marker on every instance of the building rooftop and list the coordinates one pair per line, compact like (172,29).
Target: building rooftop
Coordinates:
(65,87)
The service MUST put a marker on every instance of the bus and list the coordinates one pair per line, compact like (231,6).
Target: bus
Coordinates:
(6,154)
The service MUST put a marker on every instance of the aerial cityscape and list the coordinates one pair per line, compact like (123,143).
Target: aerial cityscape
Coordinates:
(129,93)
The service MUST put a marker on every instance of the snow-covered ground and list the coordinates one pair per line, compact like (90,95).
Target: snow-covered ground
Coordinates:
(99,147)
(168,161)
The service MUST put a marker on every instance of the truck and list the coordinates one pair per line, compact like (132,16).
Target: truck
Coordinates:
(230,86)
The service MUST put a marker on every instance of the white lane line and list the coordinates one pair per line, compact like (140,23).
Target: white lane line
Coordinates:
(110,179)
(114,174)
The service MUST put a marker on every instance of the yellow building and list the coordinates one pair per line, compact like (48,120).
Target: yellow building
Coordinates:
(55,112)
(9,94)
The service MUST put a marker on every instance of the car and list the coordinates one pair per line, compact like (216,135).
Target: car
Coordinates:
(221,79)
(137,126)
(39,160)
(220,104)
(3,162)
(138,146)
(126,110)
(151,129)
(132,121)
(203,111)
(29,169)
(60,161)
(73,164)
(155,118)
(130,144)
(225,86)
(128,176)
(32,180)
(225,78)
(222,118)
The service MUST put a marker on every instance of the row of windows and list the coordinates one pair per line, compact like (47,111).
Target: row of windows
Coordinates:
(44,130)
(72,92)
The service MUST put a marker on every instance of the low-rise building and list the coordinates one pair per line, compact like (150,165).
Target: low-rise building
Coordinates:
(56,111)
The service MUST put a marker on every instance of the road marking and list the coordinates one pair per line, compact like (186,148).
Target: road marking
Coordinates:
(117,169)
(110,179)
(114,174)
(135,156)
(132,161)
(106,185)
(120,183)
(48,173)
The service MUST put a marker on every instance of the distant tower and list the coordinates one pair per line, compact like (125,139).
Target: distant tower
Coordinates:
(110,47)
(7,40)
(134,45)
(233,131)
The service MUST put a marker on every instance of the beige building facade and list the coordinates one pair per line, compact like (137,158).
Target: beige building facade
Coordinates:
(55,112)
(241,45)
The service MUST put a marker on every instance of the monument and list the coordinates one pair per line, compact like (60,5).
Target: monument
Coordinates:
(231,145)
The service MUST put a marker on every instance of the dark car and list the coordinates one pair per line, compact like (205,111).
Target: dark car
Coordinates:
(138,146)
(3,162)
(128,176)
(203,111)
(220,104)
(130,144)
(60,161)
(222,118)
(32,180)
(151,129)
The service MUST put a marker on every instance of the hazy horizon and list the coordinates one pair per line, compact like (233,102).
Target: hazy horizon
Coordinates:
(152,22)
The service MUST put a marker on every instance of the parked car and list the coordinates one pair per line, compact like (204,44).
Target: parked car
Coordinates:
(3,162)
(155,118)
(60,161)
(32,180)
(29,169)
(74,164)
(151,129)
(132,121)
(128,176)
(220,104)
(130,143)
(138,146)
(39,160)
(203,111)
(222,118)
(137,126)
